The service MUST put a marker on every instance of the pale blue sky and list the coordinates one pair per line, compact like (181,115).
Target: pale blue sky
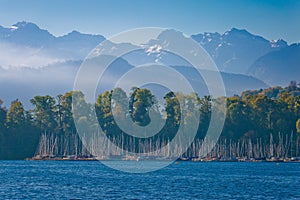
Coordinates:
(272,19)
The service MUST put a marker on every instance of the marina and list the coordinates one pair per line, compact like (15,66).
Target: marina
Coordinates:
(285,149)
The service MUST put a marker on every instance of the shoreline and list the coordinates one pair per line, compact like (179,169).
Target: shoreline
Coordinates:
(182,159)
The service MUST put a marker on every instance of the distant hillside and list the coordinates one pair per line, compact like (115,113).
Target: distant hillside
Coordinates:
(278,67)
(58,78)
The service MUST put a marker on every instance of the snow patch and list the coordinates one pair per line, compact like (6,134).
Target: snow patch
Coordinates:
(154,49)
(12,28)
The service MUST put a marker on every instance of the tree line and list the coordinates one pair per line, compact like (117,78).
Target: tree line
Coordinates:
(253,114)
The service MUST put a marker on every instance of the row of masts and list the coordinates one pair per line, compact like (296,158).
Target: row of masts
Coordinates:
(283,147)
(258,149)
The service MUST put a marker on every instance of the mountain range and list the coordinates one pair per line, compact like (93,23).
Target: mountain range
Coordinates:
(33,61)
(35,47)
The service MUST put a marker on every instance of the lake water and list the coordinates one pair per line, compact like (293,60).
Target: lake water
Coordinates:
(185,180)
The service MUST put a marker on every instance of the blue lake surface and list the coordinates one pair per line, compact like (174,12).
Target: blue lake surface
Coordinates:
(185,180)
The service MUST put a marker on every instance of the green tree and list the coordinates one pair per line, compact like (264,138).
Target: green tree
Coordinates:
(120,107)
(173,115)
(64,111)
(238,121)
(44,113)
(143,100)
(16,115)
(76,109)
(205,115)
(105,115)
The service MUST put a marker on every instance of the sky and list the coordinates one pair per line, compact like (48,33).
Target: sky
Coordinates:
(272,19)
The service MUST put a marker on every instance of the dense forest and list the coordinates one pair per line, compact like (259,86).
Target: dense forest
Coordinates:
(253,114)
